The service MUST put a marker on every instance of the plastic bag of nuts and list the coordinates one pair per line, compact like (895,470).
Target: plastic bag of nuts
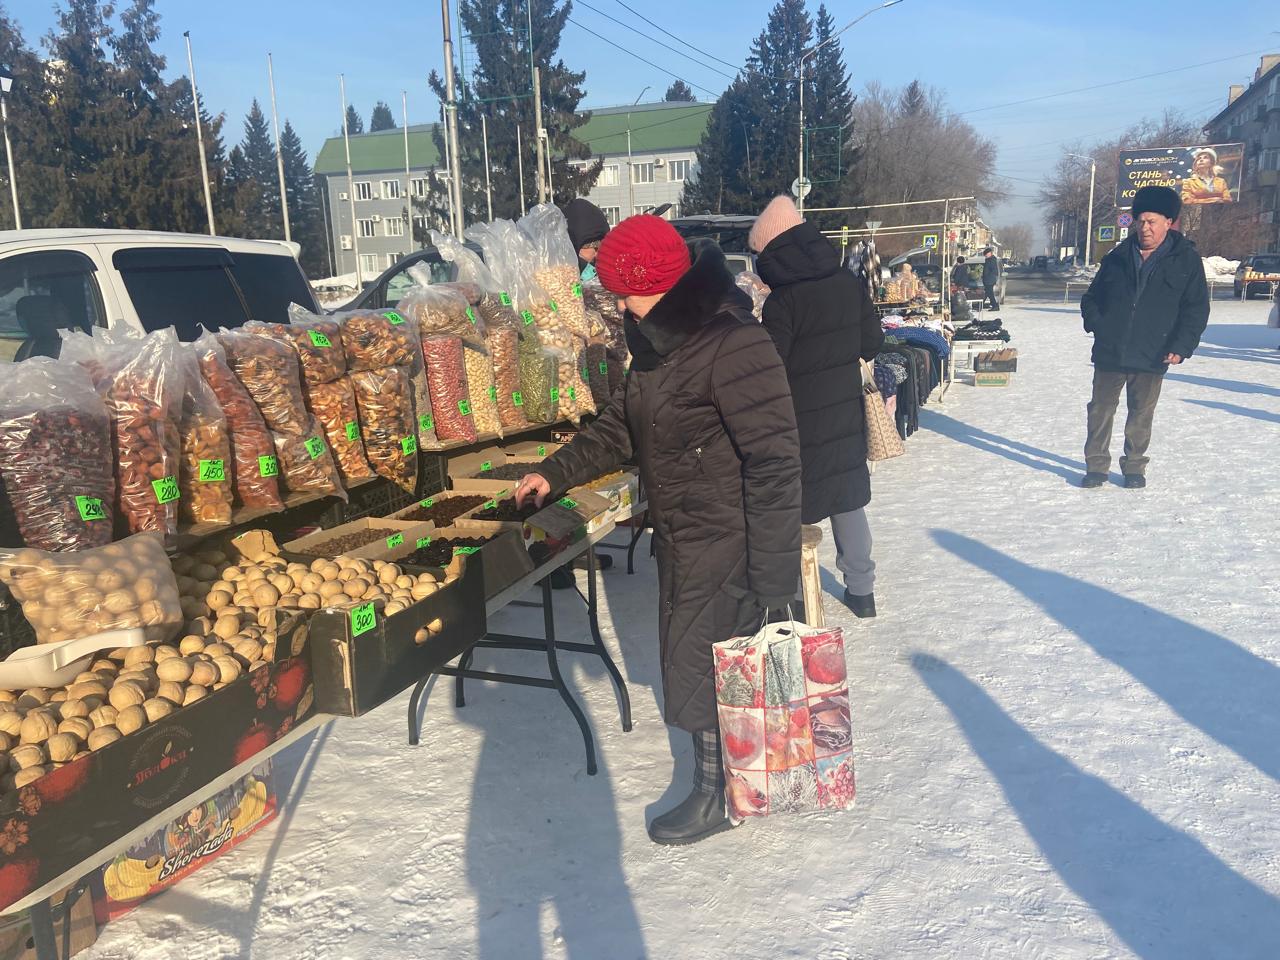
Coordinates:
(254,467)
(481,389)
(439,310)
(385,400)
(270,370)
(504,351)
(450,398)
(142,383)
(374,339)
(539,381)
(334,405)
(317,339)
(205,476)
(55,456)
(306,462)
(124,585)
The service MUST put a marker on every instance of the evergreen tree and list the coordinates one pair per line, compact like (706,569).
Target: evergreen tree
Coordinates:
(381,118)
(775,57)
(354,123)
(828,118)
(36,154)
(306,217)
(679,92)
(914,100)
(253,180)
(726,154)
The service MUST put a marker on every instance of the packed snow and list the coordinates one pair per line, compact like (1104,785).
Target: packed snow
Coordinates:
(1220,268)
(1065,725)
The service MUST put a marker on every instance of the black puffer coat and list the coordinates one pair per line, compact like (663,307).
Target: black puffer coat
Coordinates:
(1133,332)
(706,413)
(822,321)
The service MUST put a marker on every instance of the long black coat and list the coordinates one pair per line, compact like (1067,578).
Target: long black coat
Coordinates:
(1135,333)
(706,413)
(822,321)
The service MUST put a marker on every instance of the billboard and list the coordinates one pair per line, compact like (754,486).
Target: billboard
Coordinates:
(1202,174)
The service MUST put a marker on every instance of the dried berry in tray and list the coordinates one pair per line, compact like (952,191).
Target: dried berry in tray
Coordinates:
(336,546)
(509,471)
(507,511)
(438,553)
(443,510)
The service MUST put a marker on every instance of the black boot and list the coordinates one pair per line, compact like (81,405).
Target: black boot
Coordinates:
(864,608)
(702,813)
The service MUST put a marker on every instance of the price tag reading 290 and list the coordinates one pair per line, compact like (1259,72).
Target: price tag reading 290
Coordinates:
(91,508)
(363,618)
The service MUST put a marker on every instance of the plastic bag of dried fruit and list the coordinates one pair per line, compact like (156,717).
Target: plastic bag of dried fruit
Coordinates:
(254,467)
(557,269)
(385,400)
(121,586)
(513,258)
(439,310)
(373,339)
(595,367)
(56,460)
(503,343)
(271,371)
(204,479)
(450,395)
(334,405)
(317,339)
(306,462)
(494,306)
(539,381)
(141,380)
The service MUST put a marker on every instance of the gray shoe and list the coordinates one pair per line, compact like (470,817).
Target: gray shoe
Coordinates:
(1091,481)
(1135,481)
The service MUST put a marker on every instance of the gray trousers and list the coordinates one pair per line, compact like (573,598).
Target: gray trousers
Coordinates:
(1142,391)
(852,533)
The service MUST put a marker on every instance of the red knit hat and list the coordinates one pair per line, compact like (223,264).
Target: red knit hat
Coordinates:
(642,256)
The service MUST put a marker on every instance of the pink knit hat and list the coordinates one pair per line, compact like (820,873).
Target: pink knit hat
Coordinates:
(778,217)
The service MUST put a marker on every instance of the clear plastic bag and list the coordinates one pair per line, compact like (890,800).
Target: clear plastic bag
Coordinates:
(334,405)
(125,585)
(56,459)
(755,288)
(254,466)
(385,400)
(306,462)
(493,304)
(141,379)
(595,364)
(482,389)
(374,339)
(270,370)
(583,395)
(205,476)
(504,352)
(539,381)
(450,397)
(512,259)
(317,339)
(439,310)
(557,266)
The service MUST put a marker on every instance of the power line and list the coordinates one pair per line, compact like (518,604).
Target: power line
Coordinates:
(678,39)
(666,46)
(640,58)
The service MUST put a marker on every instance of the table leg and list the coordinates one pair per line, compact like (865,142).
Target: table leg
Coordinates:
(44,939)
(553,664)
(463,664)
(414,699)
(593,608)
(636,534)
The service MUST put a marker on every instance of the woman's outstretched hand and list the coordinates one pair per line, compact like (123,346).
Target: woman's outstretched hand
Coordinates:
(533,485)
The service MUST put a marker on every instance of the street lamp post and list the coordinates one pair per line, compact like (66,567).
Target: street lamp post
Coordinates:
(204,163)
(1093,180)
(805,56)
(6,84)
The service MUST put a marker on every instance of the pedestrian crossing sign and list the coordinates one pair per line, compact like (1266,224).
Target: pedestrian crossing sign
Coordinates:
(930,241)
(1106,234)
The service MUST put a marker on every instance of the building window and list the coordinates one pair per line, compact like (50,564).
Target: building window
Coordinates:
(642,172)
(643,208)
(369,263)
(609,175)
(678,171)
(364,190)
(395,226)
(418,186)
(420,223)
(394,258)
(390,189)
(364,228)
(612,214)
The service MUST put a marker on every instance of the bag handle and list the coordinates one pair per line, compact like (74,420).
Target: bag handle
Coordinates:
(743,642)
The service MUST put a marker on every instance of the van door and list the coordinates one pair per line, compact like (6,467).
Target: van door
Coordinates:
(43,292)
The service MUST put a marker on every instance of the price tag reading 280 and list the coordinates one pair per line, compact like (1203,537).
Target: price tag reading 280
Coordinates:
(363,618)
(166,489)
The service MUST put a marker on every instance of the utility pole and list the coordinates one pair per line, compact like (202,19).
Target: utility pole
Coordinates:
(275,121)
(488,183)
(451,111)
(520,168)
(538,133)
(6,84)
(408,191)
(1093,182)
(204,164)
(351,184)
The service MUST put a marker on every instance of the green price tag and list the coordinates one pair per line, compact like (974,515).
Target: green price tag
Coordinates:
(542,450)
(91,508)
(395,540)
(493,393)
(577,290)
(353,430)
(491,505)
(567,503)
(555,394)
(363,618)
(505,299)
(486,466)
(315,447)
(409,445)
(429,502)
(586,373)
(527,317)
(517,399)
(268,466)
(423,542)
(166,489)
(555,307)
(318,339)
(212,471)
(604,368)
(393,318)
(573,393)
(465,551)
(464,407)
(471,315)
(425,423)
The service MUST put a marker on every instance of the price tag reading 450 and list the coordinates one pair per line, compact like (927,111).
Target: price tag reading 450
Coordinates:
(363,618)
(166,489)
(212,471)
(91,508)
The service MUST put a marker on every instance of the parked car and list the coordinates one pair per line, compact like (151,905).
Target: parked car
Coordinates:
(1262,270)
(730,232)
(973,280)
(1040,263)
(80,279)
(395,281)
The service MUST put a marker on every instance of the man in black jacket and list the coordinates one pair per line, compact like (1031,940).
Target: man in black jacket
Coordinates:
(1147,308)
(990,277)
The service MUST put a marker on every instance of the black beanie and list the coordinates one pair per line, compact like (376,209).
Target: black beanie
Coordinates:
(1159,200)
(587,222)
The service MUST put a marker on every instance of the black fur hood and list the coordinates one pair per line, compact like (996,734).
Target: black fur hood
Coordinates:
(704,293)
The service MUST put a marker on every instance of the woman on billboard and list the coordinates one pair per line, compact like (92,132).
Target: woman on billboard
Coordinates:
(1206,184)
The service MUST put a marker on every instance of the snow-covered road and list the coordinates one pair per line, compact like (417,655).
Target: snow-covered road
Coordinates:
(1067,734)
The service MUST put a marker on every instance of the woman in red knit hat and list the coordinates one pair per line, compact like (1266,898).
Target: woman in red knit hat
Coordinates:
(707,414)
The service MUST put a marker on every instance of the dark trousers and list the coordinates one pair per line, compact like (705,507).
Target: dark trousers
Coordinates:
(1142,392)
(991,296)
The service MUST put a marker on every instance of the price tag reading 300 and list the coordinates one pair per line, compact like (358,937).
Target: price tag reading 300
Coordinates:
(363,618)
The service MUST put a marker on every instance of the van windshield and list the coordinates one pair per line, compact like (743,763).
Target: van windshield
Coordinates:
(182,288)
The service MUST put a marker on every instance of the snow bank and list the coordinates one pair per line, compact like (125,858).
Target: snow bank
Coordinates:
(1220,268)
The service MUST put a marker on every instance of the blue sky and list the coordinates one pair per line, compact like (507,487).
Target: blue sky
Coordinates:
(980,54)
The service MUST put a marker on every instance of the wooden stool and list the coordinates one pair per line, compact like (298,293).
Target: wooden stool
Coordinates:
(811,576)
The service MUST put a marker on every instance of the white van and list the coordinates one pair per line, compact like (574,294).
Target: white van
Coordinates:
(81,278)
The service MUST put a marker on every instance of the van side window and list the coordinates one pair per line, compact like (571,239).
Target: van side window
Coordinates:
(181,288)
(41,293)
(270,282)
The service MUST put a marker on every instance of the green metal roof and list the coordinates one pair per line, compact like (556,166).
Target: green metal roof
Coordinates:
(654,126)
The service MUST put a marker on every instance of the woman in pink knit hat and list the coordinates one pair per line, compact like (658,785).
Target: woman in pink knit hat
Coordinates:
(706,413)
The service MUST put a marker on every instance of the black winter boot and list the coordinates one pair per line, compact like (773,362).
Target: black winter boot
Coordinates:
(864,608)
(702,813)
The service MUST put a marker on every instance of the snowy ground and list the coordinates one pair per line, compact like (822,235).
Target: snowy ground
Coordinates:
(1066,729)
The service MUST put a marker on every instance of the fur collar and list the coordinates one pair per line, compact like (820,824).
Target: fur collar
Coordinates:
(702,294)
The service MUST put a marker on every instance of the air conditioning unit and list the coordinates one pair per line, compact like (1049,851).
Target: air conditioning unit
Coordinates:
(659,162)
(376,218)
(342,197)
(344,242)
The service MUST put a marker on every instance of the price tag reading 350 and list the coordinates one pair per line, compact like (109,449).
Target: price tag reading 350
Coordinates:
(268,466)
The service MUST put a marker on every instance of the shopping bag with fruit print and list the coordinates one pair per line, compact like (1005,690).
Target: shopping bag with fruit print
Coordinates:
(783,702)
